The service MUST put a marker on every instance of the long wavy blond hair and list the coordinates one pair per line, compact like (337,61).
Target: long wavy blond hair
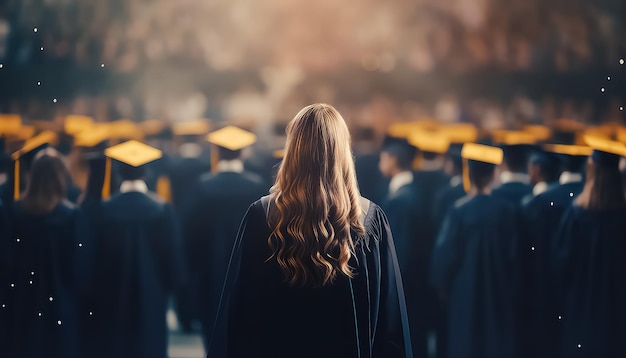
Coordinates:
(316,197)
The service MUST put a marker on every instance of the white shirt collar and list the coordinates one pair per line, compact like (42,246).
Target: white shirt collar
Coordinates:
(569,177)
(235,166)
(510,177)
(540,187)
(456,180)
(431,165)
(133,186)
(399,180)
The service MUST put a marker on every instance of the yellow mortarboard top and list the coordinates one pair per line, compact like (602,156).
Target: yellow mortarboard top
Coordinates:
(538,131)
(513,137)
(232,138)
(460,133)
(402,129)
(30,145)
(199,127)
(133,153)
(606,145)
(74,124)
(25,133)
(599,131)
(10,123)
(92,137)
(429,142)
(621,134)
(480,153)
(124,129)
(573,150)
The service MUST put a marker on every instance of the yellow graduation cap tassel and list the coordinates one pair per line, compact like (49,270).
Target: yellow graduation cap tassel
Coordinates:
(466,177)
(215,157)
(106,186)
(16,178)
(164,188)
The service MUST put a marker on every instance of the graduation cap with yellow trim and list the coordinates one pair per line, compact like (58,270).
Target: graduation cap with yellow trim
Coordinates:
(92,137)
(74,124)
(460,132)
(605,152)
(230,138)
(124,129)
(429,142)
(540,132)
(478,153)
(508,137)
(133,153)
(10,124)
(573,150)
(27,153)
(402,129)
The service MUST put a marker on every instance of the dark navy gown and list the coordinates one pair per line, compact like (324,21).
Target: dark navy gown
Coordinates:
(262,316)
(41,304)
(590,277)
(513,191)
(473,267)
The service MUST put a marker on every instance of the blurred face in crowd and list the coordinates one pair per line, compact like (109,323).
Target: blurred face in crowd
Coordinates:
(388,164)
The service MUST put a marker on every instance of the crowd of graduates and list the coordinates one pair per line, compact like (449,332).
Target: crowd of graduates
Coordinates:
(508,241)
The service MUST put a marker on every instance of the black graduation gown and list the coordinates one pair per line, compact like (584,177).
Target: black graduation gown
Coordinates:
(402,209)
(473,267)
(513,191)
(590,276)
(41,303)
(137,265)
(184,173)
(372,184)
(262,316)
(541,216)
(444,200)
(210,230)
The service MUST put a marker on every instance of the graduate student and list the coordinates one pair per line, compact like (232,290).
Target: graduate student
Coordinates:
(589,267)
(401,205)
(473,264)
(136,263)
(449,194)
(513,179)
(41,246)
(313,271)
(221,201)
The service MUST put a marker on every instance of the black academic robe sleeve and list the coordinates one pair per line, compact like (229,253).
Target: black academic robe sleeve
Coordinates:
(447,255)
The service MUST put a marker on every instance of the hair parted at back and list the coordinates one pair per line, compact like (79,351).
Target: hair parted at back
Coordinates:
(316,196)
(47,184)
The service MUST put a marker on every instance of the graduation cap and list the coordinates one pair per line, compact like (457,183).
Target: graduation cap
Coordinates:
(573,157)
(605,152)
(123,129)
(26,155)
(402,129)
(132,153)
(540,132)
(428,144)
(74,124)
(475,156)
(10,124)
(516,147)
(229,141)
(460,132)
(92,137)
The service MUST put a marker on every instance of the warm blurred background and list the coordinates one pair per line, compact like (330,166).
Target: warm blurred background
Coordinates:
(493,62)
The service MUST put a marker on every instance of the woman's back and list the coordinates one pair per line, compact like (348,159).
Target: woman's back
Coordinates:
(267,317)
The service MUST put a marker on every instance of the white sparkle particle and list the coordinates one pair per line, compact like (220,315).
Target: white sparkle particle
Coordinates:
(39,314)
(30,282)
(35,29)
(38,83)
(51,299)
(1,65)
(32,273)
(54,100)
(602,89)
(608,78)
(621,61)
(552,203)
(579,345)
(80,244)
(532,248)
(560,317)
(621,108)
(12,285)
(571,195)
(102,65)
(41,49)
(59,322)
(4,306)
(91,313)
(18,239)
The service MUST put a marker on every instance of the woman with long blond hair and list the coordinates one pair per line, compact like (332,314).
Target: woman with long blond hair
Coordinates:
(314,271)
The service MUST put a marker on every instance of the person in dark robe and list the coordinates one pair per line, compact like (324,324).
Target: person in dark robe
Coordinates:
(136,262)
(42,246)
(372,184)
(313,271)
(454,191)
(402,209)
(473,265)
(514,183)
(210,227)
(589,271)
